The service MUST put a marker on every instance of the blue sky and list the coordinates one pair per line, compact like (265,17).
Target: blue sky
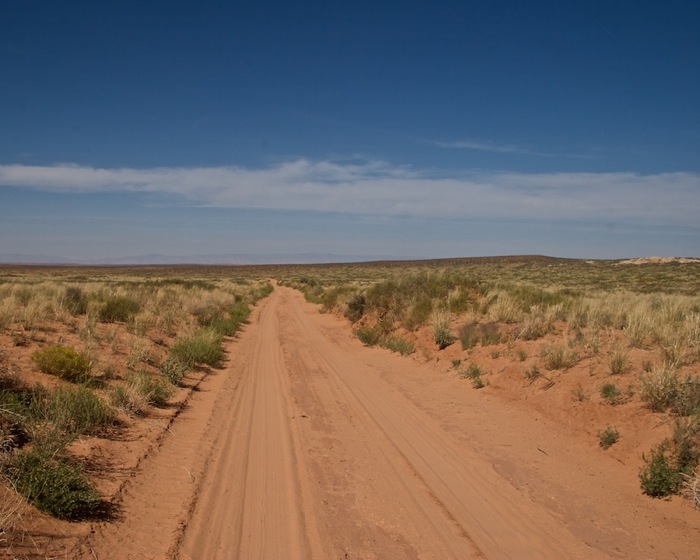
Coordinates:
(356,129)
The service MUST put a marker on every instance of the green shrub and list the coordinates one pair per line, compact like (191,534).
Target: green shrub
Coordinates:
(118,309)
(63,362)
(369,336)
(686,399)
(229,324)
(356,308)
(611,393)
(659,477)
(72,410)
(75,300)
(204,348)
(474,373)
(398,344)
(53,485)
(608,437)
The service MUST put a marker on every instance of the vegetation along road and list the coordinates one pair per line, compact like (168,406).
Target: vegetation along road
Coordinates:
(310,445)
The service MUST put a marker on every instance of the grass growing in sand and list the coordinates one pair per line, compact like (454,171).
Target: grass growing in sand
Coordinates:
(639,323)
(81,348)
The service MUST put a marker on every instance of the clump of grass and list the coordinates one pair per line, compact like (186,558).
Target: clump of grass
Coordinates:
(63,362)
(659,388)
(369,336)
(532,373)
(173,370)
(118,309)
(468,335)
(398,344)
(608,437)
(686,398)
(611,393)
(139,391)
(474,373)
(579,393)
(75,301)
(559,356)
(156,391)
(440,323)
(618,362)
(72,410)
(204,348)
(54,485)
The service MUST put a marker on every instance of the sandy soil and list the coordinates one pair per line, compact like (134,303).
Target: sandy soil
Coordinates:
(309,445)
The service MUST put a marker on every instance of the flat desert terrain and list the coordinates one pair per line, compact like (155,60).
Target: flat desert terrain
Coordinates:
(306,443)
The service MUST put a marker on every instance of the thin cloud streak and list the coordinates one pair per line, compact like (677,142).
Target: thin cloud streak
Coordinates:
(380,189)
(490,147)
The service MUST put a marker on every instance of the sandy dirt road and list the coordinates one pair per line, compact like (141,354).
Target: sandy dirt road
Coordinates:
(312,446)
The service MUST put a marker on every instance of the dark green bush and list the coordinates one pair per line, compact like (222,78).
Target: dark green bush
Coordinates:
(76,302)
(53,485)
(118,309)
(356,308)
(63,362)
(659,477)
(608,437)
(611,393)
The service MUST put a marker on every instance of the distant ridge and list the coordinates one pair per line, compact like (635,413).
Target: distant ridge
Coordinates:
(225,259)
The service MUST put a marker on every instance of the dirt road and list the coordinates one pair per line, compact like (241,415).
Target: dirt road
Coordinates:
(312,446)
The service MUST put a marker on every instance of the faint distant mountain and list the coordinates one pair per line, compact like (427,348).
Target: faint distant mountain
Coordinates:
(156,259)
(17,258)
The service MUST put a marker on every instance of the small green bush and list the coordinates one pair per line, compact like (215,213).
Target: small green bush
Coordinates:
(686,399)
(611,393)
(356,308)
(118,309)
(75,300)
(63,362)
(229,324)
(54,485)
(608,437)
(659,477)
(474,373)
(369,336)
(204,348)
(398,344)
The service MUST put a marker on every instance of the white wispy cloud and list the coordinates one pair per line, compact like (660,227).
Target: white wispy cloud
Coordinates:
(381,189)
(490,147)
